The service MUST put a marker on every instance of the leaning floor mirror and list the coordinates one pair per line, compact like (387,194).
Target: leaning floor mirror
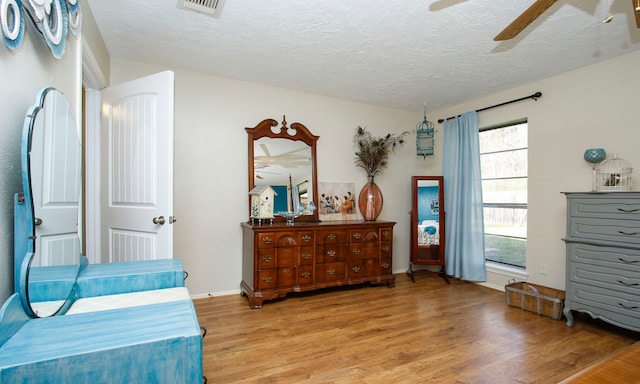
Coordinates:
(427,226)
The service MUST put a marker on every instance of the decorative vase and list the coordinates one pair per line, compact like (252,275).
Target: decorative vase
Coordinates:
(370,201)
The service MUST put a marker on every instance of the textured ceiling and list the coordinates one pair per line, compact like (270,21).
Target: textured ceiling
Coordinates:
(393,53)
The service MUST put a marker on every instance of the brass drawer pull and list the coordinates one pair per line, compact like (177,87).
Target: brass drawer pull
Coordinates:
(331,271)
(331,253)
(306,256)
(306,238)
(267,240)
(357,235)
(267,279)
(385,265)
(385,233)
(331,236)
(356,269)
(385,248)
(306,275)
(267,259)
(356,251)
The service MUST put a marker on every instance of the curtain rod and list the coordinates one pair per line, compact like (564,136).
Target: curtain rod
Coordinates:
(535,97)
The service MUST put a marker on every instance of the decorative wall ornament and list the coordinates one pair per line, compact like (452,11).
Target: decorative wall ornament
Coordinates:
(52,18)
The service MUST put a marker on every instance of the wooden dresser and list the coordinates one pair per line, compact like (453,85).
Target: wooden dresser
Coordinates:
(603,257)
(280,258)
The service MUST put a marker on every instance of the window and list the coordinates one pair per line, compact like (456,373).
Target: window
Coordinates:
(503,163)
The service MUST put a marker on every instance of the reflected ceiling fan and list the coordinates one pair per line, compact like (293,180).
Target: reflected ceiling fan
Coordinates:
(537,9)
(287,159)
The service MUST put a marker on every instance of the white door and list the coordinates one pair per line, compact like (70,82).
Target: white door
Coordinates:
(137,169)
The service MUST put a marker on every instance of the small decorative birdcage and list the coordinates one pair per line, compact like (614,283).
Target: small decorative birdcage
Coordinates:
(613,174)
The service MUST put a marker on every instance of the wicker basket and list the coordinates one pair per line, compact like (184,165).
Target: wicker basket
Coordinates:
(534,298)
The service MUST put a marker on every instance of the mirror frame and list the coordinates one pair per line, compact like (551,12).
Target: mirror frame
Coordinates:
(416,257)
(302,133)
(26,221)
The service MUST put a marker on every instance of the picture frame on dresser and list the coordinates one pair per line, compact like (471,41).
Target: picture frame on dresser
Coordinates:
(603,257)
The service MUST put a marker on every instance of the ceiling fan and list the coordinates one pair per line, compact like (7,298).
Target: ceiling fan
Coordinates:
(289,159)
(537,9)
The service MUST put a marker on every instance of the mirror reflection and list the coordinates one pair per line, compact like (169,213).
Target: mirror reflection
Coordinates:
(52,190)
(285,165)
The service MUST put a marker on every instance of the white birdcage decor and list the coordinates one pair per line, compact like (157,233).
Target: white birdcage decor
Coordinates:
(613,174)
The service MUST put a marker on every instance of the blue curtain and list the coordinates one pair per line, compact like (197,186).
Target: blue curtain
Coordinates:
(464,242)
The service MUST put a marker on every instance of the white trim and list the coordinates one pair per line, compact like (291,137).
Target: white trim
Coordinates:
(93,103)
(514,273)
(92,75)
(216,294)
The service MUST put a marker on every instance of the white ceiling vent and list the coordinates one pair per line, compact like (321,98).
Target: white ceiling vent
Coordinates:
(209,7)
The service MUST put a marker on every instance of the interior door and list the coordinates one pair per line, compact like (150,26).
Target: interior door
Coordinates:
(137,169)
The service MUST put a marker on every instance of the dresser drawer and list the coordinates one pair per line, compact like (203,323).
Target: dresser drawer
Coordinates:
(619,308)
(623,231)
(612,279)
(364,235)
(331,237)
(386,234)
(330,272)
(597,206)
(331,253)
(364,250)
(362,268)
(605,256)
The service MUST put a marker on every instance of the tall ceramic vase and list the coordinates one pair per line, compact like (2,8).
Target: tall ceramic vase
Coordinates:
(370,201)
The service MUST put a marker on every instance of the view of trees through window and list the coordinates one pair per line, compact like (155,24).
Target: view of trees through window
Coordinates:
(503,162)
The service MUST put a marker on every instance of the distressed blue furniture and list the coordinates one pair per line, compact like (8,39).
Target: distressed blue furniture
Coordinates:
(74,322)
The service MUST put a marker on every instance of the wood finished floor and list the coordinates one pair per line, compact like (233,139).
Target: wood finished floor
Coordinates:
(422,332)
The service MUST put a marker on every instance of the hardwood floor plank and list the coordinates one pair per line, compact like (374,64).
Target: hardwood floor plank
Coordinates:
(425,331)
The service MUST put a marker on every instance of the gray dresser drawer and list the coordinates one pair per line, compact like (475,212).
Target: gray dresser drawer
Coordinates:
(606,256)
(624,231)
(621,309)
(612,279)
(621,206)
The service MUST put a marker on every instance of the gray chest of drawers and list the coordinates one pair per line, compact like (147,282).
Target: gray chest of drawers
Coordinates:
(603,257)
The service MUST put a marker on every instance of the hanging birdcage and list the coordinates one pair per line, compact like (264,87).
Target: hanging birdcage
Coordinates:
(613,174)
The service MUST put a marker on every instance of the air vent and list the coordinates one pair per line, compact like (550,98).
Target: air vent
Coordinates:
(209,7)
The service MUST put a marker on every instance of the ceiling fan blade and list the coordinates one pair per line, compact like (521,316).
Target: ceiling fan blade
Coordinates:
(265,149)
(527,17)
(636,11)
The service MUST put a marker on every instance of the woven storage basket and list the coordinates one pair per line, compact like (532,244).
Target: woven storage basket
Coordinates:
(534,298)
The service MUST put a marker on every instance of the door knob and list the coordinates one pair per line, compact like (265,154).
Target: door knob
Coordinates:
(172,219)
(158,220)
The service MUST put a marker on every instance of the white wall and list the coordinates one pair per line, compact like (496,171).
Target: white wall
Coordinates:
(22,73)
(588,107)
(594,106)
(211,183)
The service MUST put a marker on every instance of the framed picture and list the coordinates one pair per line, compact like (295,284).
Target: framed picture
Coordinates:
(337,201)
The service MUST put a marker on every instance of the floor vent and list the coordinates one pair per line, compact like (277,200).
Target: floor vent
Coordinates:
(208,7)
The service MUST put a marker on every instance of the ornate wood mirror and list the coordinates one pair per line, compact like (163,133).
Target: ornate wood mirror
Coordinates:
(427,224)
(285,159)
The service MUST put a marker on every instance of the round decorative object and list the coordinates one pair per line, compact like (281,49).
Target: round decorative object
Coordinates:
(54,28)
(12,20)
(595,155)
(370,201)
